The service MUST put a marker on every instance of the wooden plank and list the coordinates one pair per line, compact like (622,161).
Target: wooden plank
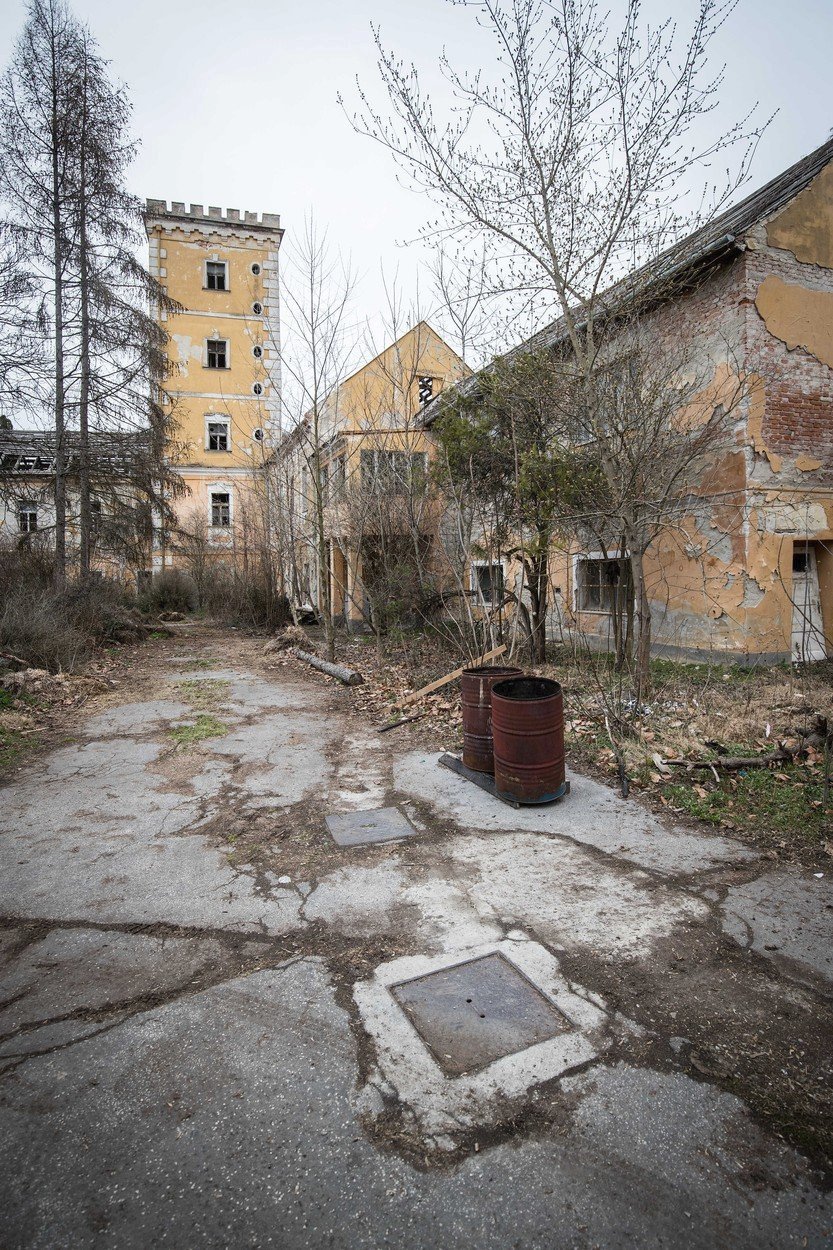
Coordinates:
(443,681)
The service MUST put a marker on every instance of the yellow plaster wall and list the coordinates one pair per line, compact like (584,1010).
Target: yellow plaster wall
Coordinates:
(799,316)
(805,227)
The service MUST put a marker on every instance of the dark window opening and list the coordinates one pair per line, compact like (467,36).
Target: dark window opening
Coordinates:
(215,275)
(95,516)
(217,353)
(221,510)
(27,517)
(489,582)
(603,585)
(218,436)
(801,560)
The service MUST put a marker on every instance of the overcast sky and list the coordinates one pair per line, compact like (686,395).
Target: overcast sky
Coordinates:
(235,102)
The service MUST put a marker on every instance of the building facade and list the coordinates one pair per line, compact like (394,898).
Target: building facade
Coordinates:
(223,374)
(374,455)
(745,572)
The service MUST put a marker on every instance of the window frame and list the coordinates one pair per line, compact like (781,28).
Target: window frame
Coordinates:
(578,588)
(29,507)
(206,285)
(213,493)
(490,601)
(226,355)
(214,418)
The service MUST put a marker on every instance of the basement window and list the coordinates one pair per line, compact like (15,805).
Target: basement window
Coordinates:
(27,516)
(220,509)
(218,435)
(216,275)
(216,353)
(602,585)
(488,580)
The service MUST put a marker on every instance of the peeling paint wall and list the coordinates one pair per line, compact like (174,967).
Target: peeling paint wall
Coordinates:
(721,583)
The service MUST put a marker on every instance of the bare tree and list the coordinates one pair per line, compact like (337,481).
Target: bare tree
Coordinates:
(580,157)
(317,292)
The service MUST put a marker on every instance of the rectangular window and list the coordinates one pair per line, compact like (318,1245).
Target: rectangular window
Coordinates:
(392,471)
(218,439)
(216,353)
(95,516)
(215,275)
(488,582)
(27,516)
(220,509)
(602,585)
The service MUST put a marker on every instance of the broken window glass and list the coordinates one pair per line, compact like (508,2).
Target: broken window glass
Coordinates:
(218,436)
(602,585)
(221,509)
(215,275)
(217,350)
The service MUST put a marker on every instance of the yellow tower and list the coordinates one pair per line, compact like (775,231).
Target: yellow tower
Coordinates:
(224,353)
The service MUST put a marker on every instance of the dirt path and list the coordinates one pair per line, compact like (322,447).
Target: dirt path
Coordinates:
(202,1032)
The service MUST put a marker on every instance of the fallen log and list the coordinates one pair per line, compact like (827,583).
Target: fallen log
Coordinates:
(443,681)
(732,763)
(348,676)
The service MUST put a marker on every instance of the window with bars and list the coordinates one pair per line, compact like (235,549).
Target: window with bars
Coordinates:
(218,436)
(27,516)
(216,275)
(602,585)
(220,509)
(216,353)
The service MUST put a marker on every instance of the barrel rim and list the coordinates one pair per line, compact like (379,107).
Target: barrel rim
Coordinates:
(500,689)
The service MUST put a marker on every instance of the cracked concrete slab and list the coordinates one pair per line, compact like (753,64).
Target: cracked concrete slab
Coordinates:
(248,1134)
(592,815)
(784,914)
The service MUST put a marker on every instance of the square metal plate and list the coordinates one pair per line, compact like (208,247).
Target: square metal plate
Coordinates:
(381,824)
(477,1012)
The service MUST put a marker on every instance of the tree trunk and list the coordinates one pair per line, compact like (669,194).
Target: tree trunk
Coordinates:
(85,511)
(642,674)
(60,383)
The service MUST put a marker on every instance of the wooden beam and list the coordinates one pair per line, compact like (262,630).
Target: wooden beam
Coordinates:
(443,681)
(346,675)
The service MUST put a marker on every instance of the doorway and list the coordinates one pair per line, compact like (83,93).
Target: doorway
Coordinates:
(807,624)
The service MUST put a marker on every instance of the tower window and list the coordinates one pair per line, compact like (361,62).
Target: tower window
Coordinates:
(257,351)
(27,516)
(216,275)
(257,389)
(257,308)
(217,353)
(220,509)
(256,269)
(218,439)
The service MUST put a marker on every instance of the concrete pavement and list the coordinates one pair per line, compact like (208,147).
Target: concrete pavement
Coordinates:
(199,1045)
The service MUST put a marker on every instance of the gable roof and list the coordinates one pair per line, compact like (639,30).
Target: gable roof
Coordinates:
(715,243)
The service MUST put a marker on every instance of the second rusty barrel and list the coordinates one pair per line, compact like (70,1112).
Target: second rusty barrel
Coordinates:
(528,732)
(477,714)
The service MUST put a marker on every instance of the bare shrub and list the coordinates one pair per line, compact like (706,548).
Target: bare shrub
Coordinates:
(170,591)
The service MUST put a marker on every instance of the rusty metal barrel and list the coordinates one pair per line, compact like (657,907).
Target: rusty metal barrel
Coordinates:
(477,714)
(528,732)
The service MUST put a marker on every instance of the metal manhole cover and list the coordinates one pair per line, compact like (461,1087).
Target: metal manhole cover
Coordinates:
(477,1012)
(382,824)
